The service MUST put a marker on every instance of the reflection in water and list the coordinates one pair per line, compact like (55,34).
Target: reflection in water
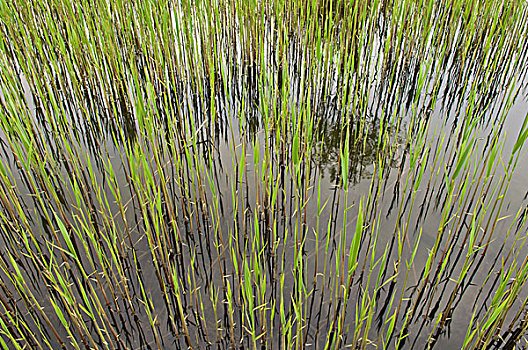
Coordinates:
(154,195)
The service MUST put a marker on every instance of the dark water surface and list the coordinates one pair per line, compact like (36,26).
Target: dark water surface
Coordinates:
(211,202)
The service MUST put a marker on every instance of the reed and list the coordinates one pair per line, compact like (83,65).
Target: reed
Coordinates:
(249,174)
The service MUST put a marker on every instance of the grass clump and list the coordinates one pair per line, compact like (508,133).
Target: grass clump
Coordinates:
(244,174)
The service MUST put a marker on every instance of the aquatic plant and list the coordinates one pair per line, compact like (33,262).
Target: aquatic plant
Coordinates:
(249,174)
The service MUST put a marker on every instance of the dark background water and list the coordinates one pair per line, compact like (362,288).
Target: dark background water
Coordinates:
(239,120)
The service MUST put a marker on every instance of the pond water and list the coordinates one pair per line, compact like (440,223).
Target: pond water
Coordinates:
(264,183)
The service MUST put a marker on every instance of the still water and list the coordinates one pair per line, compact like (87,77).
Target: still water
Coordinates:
(200,185)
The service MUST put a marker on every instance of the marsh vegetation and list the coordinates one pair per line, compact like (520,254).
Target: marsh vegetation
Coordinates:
(255,174)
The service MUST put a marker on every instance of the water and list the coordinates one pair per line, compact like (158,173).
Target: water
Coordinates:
(197,223)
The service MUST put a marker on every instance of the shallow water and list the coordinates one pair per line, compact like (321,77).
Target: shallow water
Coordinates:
(208,206)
